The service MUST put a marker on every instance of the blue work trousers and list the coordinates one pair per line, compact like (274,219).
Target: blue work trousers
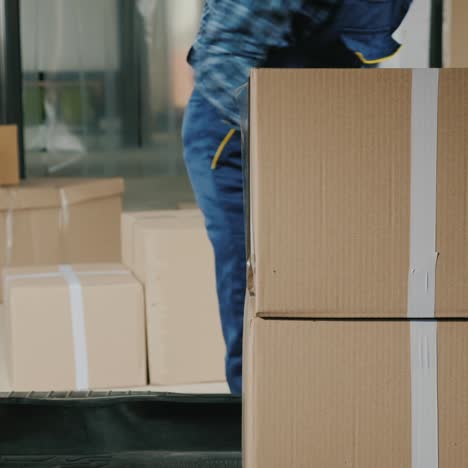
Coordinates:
(212,152)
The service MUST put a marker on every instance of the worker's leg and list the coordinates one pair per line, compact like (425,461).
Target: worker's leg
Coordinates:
(218,190)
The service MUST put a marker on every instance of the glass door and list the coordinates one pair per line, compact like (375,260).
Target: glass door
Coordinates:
(104,87)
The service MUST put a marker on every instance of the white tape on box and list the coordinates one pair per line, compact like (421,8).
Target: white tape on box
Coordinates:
(80,346)
(422,273)
(423,255)
(64,215)
(425,420)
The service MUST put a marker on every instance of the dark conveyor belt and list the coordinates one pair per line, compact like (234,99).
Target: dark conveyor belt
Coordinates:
(117,430)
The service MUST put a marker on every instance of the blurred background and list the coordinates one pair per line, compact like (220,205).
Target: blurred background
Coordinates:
(105,83)
(104,87)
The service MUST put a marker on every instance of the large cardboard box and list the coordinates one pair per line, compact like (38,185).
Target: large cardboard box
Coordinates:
(455,34)
(358,393)
(50,221)
(74,327)
(175,262)
(9,161)
(358,192)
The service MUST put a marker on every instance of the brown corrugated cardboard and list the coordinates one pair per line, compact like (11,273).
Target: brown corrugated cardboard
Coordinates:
(338,394)
(50,221)
(41,329)
(175,261)
(330,192)
(128,227)
(452,204)
(9,162)
(92,231)
(455,33)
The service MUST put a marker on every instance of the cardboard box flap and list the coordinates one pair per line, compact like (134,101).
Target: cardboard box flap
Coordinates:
(45,193)
(98,274)
(81,190)
(28,196)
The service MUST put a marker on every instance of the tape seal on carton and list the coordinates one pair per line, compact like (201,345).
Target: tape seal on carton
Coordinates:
(59,274)
(78,327)
(422,274)
(80,348)
(425,420)
(64,216)
(423,255)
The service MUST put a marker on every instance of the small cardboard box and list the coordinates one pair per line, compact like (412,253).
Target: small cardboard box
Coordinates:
(74,327)
(174,259)
(51,221)
(9,161)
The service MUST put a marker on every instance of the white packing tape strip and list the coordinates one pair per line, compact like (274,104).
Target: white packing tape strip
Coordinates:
(64,209)
(423,256)
(80,346)
(424,408)
(59,274)
(80,349)
(421,278)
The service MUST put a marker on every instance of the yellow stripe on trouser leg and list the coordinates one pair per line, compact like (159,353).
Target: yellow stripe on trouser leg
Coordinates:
(223,144)
(376,61)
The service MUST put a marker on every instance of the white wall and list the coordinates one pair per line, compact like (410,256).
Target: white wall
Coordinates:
(414,34)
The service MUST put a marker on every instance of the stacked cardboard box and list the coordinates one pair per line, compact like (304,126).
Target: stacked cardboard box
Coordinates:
(170,253)
(55,324)
(74,327)
(9,161)
(52,221)
(455,35)
(356,335)
(83,326)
